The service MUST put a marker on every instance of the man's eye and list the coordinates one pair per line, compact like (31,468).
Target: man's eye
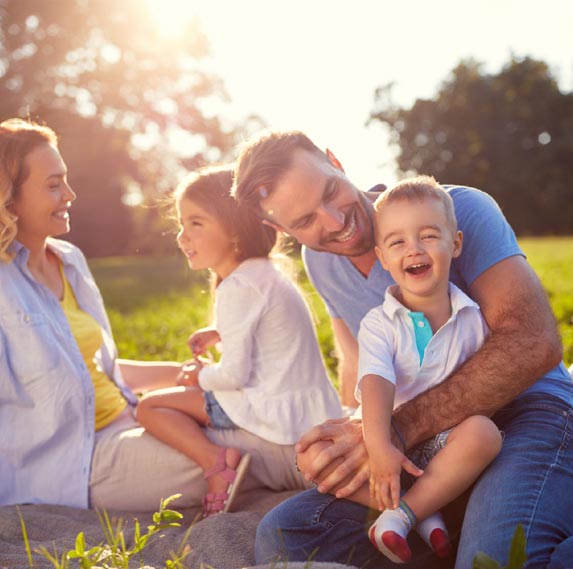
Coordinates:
(330,192)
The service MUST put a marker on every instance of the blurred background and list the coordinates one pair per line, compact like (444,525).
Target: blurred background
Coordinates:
(139,90)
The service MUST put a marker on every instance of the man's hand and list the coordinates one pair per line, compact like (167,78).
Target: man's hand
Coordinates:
(341,467)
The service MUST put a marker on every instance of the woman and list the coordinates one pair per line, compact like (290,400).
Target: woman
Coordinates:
(68,432)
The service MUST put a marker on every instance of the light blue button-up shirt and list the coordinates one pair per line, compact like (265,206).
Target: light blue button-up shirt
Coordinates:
(47,403)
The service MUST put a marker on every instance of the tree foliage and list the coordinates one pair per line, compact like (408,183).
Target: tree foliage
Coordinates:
(509,134)
(118,93)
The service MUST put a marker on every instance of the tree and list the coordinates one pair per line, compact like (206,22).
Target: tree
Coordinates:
(510,134)
(118,93)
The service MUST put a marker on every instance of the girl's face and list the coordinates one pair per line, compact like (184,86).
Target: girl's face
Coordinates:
(44,198)
(204,241)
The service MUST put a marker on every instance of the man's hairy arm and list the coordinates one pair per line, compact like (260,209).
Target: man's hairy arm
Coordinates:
(524,344)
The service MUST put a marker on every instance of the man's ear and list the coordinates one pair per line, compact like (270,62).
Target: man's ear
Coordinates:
(278,228)
(334,160)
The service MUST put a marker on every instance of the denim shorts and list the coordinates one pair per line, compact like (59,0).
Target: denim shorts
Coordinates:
(218,419)
(424,452)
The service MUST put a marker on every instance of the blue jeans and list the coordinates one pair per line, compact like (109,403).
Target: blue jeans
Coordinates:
(530,482)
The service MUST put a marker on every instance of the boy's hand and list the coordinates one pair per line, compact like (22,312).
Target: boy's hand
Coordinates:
(203,339)
(386,464)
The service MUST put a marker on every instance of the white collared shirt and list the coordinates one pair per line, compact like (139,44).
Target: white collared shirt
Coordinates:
(387,345)
(271,379)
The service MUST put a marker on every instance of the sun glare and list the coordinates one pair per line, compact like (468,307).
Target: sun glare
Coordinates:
(171,16)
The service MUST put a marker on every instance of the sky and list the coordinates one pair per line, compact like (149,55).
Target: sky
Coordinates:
(314,65)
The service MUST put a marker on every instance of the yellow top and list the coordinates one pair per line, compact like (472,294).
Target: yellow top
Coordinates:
(109,402)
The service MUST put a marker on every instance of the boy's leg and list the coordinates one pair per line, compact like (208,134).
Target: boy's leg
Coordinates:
(470,447)
(529,483)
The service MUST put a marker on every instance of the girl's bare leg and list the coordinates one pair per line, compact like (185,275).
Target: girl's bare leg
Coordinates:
(176,416)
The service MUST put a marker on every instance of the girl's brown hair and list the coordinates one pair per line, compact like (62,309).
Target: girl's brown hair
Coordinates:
(210,188)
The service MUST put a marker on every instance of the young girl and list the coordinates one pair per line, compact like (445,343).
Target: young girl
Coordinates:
(271,379)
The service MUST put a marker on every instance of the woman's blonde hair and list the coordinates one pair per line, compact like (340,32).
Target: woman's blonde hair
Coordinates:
(17,139)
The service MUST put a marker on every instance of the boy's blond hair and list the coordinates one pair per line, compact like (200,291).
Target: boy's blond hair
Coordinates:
(418,189)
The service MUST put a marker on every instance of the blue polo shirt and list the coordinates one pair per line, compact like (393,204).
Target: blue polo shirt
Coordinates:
(488,239)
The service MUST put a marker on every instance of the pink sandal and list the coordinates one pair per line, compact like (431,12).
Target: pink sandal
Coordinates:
(221,503)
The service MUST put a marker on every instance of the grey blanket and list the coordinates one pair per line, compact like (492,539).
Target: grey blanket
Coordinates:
(224,541)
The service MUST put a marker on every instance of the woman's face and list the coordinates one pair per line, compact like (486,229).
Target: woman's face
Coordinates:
(44,198)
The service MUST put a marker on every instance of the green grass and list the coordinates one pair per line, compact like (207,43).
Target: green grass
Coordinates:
(154,304)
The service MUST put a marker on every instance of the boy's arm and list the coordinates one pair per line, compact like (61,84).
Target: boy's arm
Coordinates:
(523,345)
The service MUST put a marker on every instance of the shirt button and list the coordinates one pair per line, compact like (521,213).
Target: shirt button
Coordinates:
(26,319)
(420,324)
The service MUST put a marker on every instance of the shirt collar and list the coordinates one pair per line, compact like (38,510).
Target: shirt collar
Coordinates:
(459,301)
(62,249)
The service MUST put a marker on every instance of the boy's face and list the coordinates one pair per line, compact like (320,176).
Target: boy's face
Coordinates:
(416,244)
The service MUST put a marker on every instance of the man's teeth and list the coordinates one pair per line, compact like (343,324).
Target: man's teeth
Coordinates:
(349,232)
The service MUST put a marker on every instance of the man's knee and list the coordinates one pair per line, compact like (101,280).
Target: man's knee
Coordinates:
(268,544)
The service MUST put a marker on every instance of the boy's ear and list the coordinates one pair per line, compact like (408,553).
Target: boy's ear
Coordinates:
(380,257)
(458,242)
(334,160)
(278,228)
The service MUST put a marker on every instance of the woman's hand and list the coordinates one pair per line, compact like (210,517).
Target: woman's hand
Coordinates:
(347,449)
(203,339)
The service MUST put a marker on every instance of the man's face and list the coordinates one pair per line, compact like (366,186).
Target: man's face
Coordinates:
(315,203)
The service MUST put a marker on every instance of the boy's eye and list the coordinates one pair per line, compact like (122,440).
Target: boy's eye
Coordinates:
(429,236)
(396,242)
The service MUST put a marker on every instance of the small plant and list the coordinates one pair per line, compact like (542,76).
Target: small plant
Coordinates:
(517,554)
(113,552)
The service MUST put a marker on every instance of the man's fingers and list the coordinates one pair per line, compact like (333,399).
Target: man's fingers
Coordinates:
(410,467)
(352,485)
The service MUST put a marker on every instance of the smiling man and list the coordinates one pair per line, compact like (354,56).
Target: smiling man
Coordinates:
(516,377)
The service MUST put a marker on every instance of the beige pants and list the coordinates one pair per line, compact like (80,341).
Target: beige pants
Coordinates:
(132,470)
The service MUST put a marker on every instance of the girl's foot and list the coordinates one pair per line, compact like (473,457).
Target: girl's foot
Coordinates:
(224,479)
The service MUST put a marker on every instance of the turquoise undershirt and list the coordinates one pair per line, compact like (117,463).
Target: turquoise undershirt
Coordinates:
(422,331)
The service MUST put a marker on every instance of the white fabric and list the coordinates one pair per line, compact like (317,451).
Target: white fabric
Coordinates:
(387,345)
(271,379)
